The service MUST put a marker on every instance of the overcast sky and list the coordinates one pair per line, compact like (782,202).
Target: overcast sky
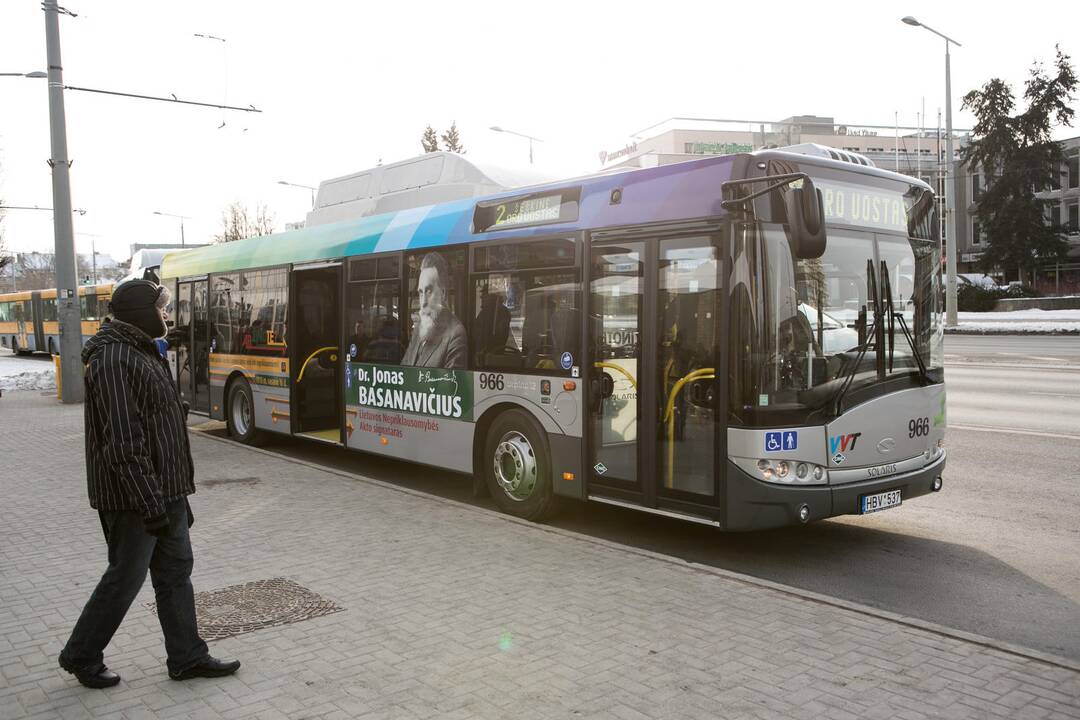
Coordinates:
(343,85)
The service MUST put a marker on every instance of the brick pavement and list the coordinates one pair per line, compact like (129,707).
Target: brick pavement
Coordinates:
(451,611)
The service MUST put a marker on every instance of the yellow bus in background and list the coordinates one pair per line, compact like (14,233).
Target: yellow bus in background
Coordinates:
(29,321)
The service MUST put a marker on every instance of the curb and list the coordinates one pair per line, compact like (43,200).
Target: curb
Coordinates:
(915,623)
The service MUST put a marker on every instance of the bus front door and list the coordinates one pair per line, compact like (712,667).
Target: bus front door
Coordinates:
(653,396)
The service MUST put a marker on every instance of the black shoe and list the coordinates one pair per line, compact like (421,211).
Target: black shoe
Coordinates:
(208,667)
(95,676)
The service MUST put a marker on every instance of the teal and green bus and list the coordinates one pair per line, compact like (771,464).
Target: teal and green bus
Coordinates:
(746,341)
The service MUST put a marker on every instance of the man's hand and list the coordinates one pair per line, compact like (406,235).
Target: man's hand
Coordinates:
(157,526)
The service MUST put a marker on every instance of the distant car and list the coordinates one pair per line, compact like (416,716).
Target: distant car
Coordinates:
(836,336)
(977,280)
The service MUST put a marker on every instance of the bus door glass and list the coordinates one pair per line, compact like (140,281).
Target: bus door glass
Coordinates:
(314,343)
(200,346)
(181,339)
(616,302)
(39,319)
(687,303)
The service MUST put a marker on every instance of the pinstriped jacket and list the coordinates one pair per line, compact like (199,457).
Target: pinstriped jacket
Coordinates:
(137,451)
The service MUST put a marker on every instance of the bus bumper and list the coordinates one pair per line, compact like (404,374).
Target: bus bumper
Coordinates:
(757,505)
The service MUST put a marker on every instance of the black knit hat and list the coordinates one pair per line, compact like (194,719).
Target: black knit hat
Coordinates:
(139,303)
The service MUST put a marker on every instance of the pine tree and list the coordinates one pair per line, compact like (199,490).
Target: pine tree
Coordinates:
(452,141)
(1018,158)
(430,141)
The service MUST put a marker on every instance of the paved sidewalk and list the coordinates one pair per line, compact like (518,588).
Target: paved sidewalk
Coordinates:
(449,611)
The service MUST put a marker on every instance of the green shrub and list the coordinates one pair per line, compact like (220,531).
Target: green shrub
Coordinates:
(972,298)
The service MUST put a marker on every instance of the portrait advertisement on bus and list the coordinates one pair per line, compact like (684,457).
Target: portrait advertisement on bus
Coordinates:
(438,337)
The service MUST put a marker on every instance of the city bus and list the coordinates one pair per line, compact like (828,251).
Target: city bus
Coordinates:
(29,321)
(746,341)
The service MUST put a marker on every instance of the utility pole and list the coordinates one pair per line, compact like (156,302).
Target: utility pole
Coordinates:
(67,298)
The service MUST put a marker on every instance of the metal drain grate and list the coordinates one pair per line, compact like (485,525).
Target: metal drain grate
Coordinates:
(255,605)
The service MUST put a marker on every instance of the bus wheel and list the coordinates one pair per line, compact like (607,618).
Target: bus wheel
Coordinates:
(517,467)
(240,417)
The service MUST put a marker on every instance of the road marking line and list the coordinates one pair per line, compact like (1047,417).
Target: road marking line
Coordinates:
(1054,394)
(1013,431)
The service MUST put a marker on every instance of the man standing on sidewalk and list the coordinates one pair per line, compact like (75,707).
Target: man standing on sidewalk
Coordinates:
(139,472)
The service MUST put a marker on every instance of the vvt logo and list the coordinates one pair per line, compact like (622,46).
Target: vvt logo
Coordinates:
(843,442)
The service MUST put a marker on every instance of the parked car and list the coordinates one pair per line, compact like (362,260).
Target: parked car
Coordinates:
(977,279)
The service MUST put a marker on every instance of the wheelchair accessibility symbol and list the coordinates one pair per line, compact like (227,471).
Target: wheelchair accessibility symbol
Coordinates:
(782,441)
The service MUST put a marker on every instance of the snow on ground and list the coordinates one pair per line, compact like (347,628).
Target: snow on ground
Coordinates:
(31,372)
(1021,321)
(35,372)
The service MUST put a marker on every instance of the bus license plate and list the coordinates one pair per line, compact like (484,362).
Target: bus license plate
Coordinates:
(880,501)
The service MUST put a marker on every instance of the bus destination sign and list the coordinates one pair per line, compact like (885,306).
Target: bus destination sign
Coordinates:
(865,206)
(526,210)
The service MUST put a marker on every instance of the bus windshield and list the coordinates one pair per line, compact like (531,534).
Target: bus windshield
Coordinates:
(801,327)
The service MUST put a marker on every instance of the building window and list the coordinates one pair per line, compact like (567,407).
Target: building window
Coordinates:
(1074,171)
(976,232)
(1055,177)
(1053,212)
(976,187)
(1074,218)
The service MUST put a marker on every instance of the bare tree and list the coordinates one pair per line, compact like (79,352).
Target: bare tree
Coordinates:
(237,223)
(36,271)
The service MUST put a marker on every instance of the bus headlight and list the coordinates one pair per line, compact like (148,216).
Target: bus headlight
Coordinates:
(785,472)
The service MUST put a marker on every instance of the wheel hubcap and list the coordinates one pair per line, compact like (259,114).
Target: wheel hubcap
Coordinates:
(515,466)
(241,413)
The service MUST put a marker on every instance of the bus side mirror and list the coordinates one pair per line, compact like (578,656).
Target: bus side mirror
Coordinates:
(806,220)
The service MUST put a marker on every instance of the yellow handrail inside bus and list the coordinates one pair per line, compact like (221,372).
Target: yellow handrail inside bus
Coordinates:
(312,357)
(620,369)
(669,417)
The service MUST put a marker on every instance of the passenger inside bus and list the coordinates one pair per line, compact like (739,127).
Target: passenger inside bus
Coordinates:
(491,331)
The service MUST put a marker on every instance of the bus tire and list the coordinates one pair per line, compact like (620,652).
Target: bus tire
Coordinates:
(517,466)
(240,414)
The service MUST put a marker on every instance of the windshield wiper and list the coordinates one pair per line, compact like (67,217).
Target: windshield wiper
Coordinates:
(894,316)
(871,337)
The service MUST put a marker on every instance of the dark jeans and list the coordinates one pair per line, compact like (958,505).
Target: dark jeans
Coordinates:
(133,551)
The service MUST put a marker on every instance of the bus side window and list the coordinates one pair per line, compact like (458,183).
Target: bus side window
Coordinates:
(526,297)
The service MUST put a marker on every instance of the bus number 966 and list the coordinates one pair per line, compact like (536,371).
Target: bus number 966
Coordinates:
(492,381)
(918,427)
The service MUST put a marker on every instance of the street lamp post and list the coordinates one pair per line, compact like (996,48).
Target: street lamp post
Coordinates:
(496,128)
(950,192)
(67,298)
(93,253)
(182,218)
(298,185)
